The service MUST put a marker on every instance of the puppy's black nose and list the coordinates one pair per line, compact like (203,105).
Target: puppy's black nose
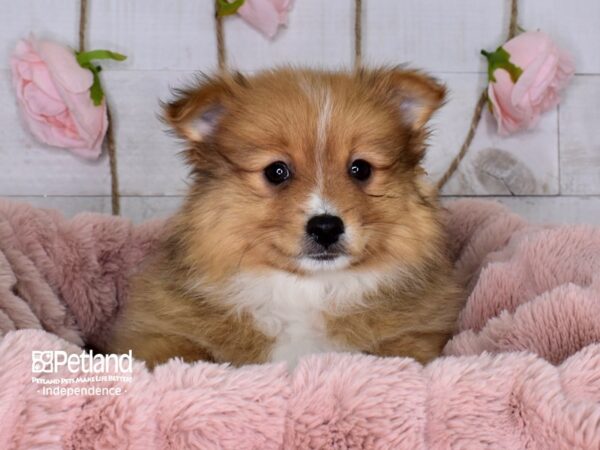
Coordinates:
(325,229)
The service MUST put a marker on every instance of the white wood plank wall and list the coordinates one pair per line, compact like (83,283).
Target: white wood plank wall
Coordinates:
(551,174)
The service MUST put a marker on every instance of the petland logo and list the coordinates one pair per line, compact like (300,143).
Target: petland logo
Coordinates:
(52,361)
(80,374)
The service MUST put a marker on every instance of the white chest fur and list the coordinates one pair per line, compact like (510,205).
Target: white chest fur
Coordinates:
(290,308)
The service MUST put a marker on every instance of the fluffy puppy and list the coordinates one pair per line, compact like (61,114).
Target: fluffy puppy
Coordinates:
(307,228)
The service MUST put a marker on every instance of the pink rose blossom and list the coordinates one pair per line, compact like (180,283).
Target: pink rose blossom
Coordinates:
(53,91)
(546,69)
(265,15)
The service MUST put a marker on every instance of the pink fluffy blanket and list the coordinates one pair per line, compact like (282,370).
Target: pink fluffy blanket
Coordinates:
(522,372)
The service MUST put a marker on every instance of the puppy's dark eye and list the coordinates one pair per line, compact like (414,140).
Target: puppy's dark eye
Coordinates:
(277,173)
(360,170)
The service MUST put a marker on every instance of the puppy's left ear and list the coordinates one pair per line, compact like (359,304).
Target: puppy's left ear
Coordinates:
(416,95)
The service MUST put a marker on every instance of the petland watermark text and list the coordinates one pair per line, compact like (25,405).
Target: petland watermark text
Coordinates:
(86,367)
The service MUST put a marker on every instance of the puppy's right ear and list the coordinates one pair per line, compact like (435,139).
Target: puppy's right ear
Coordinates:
(196,111)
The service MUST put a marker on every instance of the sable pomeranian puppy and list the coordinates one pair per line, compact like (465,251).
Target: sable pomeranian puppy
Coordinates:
(308,226)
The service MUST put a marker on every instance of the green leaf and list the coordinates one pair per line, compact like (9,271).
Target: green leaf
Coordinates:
(96,92)
(86,57)
(224,8)
(500,59)
(85,60)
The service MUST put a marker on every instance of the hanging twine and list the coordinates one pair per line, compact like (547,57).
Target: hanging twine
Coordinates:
(513,28)
(357,34)
(82,24)
(467,142)
(109,140)
(220,35)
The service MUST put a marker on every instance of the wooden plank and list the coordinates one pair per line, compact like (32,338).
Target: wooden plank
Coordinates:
(51,19)
(573,24)
(155,34)
(320,34)
(552,210)
(522,164)
(447,36)
(435,35)
(179,34)
(140,209)
(68,206)
(579,137)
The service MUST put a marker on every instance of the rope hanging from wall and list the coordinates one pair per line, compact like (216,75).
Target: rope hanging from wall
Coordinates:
(220,35)
(358,13)
(109,140)
(357,34)
(513,28)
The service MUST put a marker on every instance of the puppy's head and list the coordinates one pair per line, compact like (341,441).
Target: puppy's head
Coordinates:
(307,171)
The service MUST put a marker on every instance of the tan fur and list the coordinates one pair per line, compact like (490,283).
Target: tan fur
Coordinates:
(233,221)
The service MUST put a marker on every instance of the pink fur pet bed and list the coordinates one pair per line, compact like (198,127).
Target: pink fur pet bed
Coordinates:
(523,372)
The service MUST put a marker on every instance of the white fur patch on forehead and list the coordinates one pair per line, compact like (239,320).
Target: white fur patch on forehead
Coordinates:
(317,206)
(325,107)
(321,97)
(321,141)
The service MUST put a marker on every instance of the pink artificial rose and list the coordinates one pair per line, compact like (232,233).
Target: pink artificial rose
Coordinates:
(53,91)
(265,15)
(541,70)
